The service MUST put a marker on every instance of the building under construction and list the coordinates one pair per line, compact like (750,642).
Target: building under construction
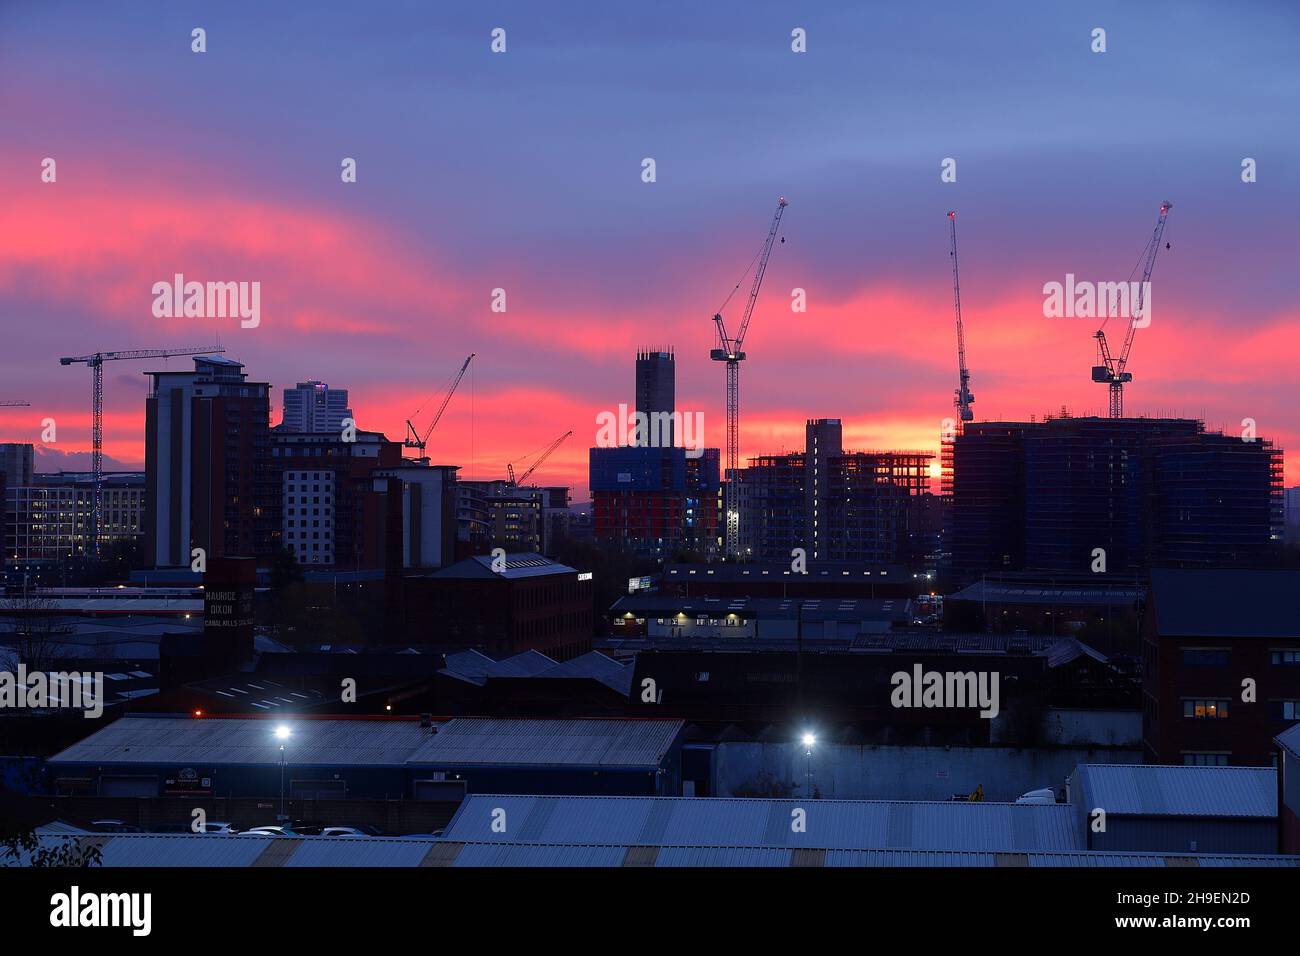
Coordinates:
(1044,496)
(836,505)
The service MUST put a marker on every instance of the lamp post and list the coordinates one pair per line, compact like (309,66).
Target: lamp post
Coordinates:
(808,740)
(282,733)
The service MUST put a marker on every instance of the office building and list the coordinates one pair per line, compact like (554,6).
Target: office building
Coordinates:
(521,602)
(314,407)
(48,519)
(16,461)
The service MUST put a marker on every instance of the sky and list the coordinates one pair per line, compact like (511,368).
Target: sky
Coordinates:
(522,171)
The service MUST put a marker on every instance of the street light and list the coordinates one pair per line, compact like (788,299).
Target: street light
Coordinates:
(282,733)
(809,738)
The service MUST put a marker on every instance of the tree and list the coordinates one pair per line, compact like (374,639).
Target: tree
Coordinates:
(33,627)
(20,815)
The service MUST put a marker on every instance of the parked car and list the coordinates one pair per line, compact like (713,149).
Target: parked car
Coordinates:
(270,831)
(367,829)
(113,826)
(343,832)
(1045,795)
(211,827)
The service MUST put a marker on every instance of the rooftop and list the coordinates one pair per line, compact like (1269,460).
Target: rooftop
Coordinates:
(525,564)
(1289,740)
(737,822)
(507,742)
(1172,791)
(214,850)
(223,741)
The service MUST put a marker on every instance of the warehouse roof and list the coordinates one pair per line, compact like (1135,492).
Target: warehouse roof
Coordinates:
(1164,791)
(1048,593)
(526,564)
(717,821)
(1225,602)
(215,850)
(218,741)
(1290,739)
(476,668)
(502,742)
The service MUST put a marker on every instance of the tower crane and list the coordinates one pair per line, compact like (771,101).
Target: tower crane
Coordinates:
(731,352)
(413,438)
(1112,370)
(510,468)
(96,362)
(962,397)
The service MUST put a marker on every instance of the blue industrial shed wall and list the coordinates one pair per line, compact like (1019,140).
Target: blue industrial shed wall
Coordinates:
(596,781)
(1173,809)
(254,780)
(1185,835)
(863,772)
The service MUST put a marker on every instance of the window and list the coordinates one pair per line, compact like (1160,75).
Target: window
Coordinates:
(1205,760)
(701,677)
(1205,708)
(1287,709)
(1286,658)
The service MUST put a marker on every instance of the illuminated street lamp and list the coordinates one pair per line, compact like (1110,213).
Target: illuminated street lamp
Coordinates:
(282,733)
(808,739)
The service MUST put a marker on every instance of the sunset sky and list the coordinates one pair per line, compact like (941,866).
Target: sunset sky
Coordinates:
(522,171)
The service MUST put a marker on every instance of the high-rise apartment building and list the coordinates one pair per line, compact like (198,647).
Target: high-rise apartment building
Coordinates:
(656,389)
(328,504)
(209,480)
(651,497)
(1061,494)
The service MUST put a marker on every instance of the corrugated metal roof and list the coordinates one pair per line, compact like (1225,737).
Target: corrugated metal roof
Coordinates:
(716,821)
(359,851)
(1149,790)
(217,741)
(747,856)
(522,854)
(1290,739)
(597,666)
(478,741)
(212,850)
(526,564)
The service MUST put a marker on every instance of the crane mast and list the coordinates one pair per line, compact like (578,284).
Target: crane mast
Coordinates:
(96,361)
(962,397)
(1112,370)
(731,351)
